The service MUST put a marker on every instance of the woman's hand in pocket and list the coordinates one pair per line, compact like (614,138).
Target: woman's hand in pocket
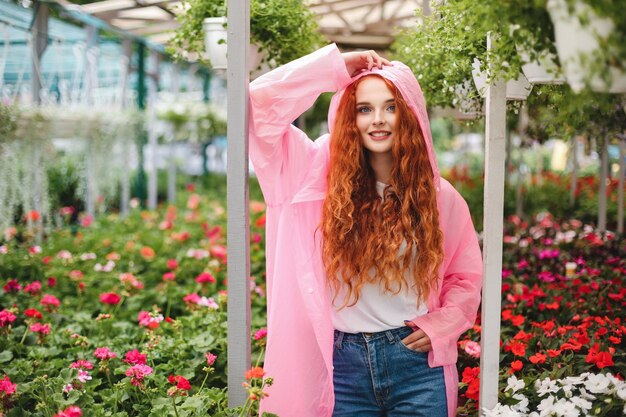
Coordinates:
(418,341)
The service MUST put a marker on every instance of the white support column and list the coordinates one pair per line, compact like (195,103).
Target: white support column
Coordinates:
(171,162)
(495,133)
(127,48)
(39,45)
(620,190)
(574,175)
(604,173)
(237,201)
(153,82)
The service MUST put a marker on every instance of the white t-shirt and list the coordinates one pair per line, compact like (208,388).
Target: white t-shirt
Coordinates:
(377,311)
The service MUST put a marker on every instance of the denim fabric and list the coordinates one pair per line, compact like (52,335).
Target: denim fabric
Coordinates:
(376,375)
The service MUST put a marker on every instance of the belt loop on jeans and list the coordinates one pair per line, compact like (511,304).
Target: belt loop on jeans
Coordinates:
(339,339)
(389,335)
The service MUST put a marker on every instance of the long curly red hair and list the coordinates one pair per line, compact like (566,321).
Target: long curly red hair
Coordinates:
(364,233)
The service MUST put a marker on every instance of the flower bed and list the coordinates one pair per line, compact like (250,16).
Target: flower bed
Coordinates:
(563,324)
(125,317)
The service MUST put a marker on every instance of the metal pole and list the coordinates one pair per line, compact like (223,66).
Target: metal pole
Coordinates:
(604,173)
(40,43)
(152,133)
(620,190)
(237,201)
(495,134)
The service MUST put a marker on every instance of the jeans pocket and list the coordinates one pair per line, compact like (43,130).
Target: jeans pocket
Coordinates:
(407,349)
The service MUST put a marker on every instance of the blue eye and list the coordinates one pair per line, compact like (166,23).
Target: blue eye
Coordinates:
(391,108)
(363,110)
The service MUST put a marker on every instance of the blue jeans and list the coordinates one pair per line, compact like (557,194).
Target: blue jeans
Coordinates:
(376,375)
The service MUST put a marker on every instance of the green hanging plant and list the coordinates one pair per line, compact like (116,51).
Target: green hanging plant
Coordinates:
(283,29)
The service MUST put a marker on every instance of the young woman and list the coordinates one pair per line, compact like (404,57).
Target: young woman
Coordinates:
(373,265)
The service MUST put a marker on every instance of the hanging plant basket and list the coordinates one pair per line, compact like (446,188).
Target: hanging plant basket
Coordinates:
(215,41)
(578,46)
(517,89)
(541,71)
(217,49)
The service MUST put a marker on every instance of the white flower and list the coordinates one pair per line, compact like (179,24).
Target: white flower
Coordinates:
(108,267)
(68,388)
(546,406)
(546,386)
(501,411)
(574,380)
(565,408)
(581,403)
(522,405)
(83,376)
(587,396)
(621,391)
(514,384)
(597,383)
(87,256)
(97,267)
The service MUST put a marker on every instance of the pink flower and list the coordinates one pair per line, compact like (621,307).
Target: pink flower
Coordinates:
(40,328)
(129,279)
(83,376)
(260,334)
(137,373)
(33,288)
(68,388)
(205,277)
(76,275)
(71,411)
(169,276)
(6,317)
(81,364)
(472,348)
(210,358)
(172,264)
(219,251)
(12,286)
(110,298)
(149,320)
(87,220)
(192,298)
(50,301)
(104,353)
(6,386)
(546,276)
(134,357)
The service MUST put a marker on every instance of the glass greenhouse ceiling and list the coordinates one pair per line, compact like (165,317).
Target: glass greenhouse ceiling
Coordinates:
(64,63)
(350,23)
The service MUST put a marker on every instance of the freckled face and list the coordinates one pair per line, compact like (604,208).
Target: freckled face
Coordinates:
(376,115)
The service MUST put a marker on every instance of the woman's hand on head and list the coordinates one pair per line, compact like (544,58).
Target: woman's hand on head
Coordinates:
(363,60)
(418,341)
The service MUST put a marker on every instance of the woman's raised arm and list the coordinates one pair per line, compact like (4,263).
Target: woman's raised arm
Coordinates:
(279,151)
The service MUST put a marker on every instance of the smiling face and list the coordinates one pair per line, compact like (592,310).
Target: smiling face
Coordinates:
(375,115)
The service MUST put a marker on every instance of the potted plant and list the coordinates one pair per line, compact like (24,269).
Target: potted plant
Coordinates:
(283,30)
(590,43)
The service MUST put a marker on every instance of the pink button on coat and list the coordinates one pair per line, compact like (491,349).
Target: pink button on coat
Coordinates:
(292,172)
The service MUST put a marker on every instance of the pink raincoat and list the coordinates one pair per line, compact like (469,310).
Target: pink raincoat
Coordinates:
(292,172)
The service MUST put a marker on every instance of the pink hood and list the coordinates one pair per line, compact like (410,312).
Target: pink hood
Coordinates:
(402,77)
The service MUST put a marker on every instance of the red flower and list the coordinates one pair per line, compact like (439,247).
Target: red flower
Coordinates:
(33,313)
(180,382)
(516,365)
(33,288)
(169,276)
(205,277)
(260,334)
(6,317)
(104,353)
(470,374)
(32,215)
(12,286)
(172,264)
(40,328)
(554,353)
(473,390)
(147,252)
(134,357)
(517,320)
(50,301)
(71,411)
(518,348)
(110,298)
(52,282)
(6,386)
(256,372)
(538,358)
